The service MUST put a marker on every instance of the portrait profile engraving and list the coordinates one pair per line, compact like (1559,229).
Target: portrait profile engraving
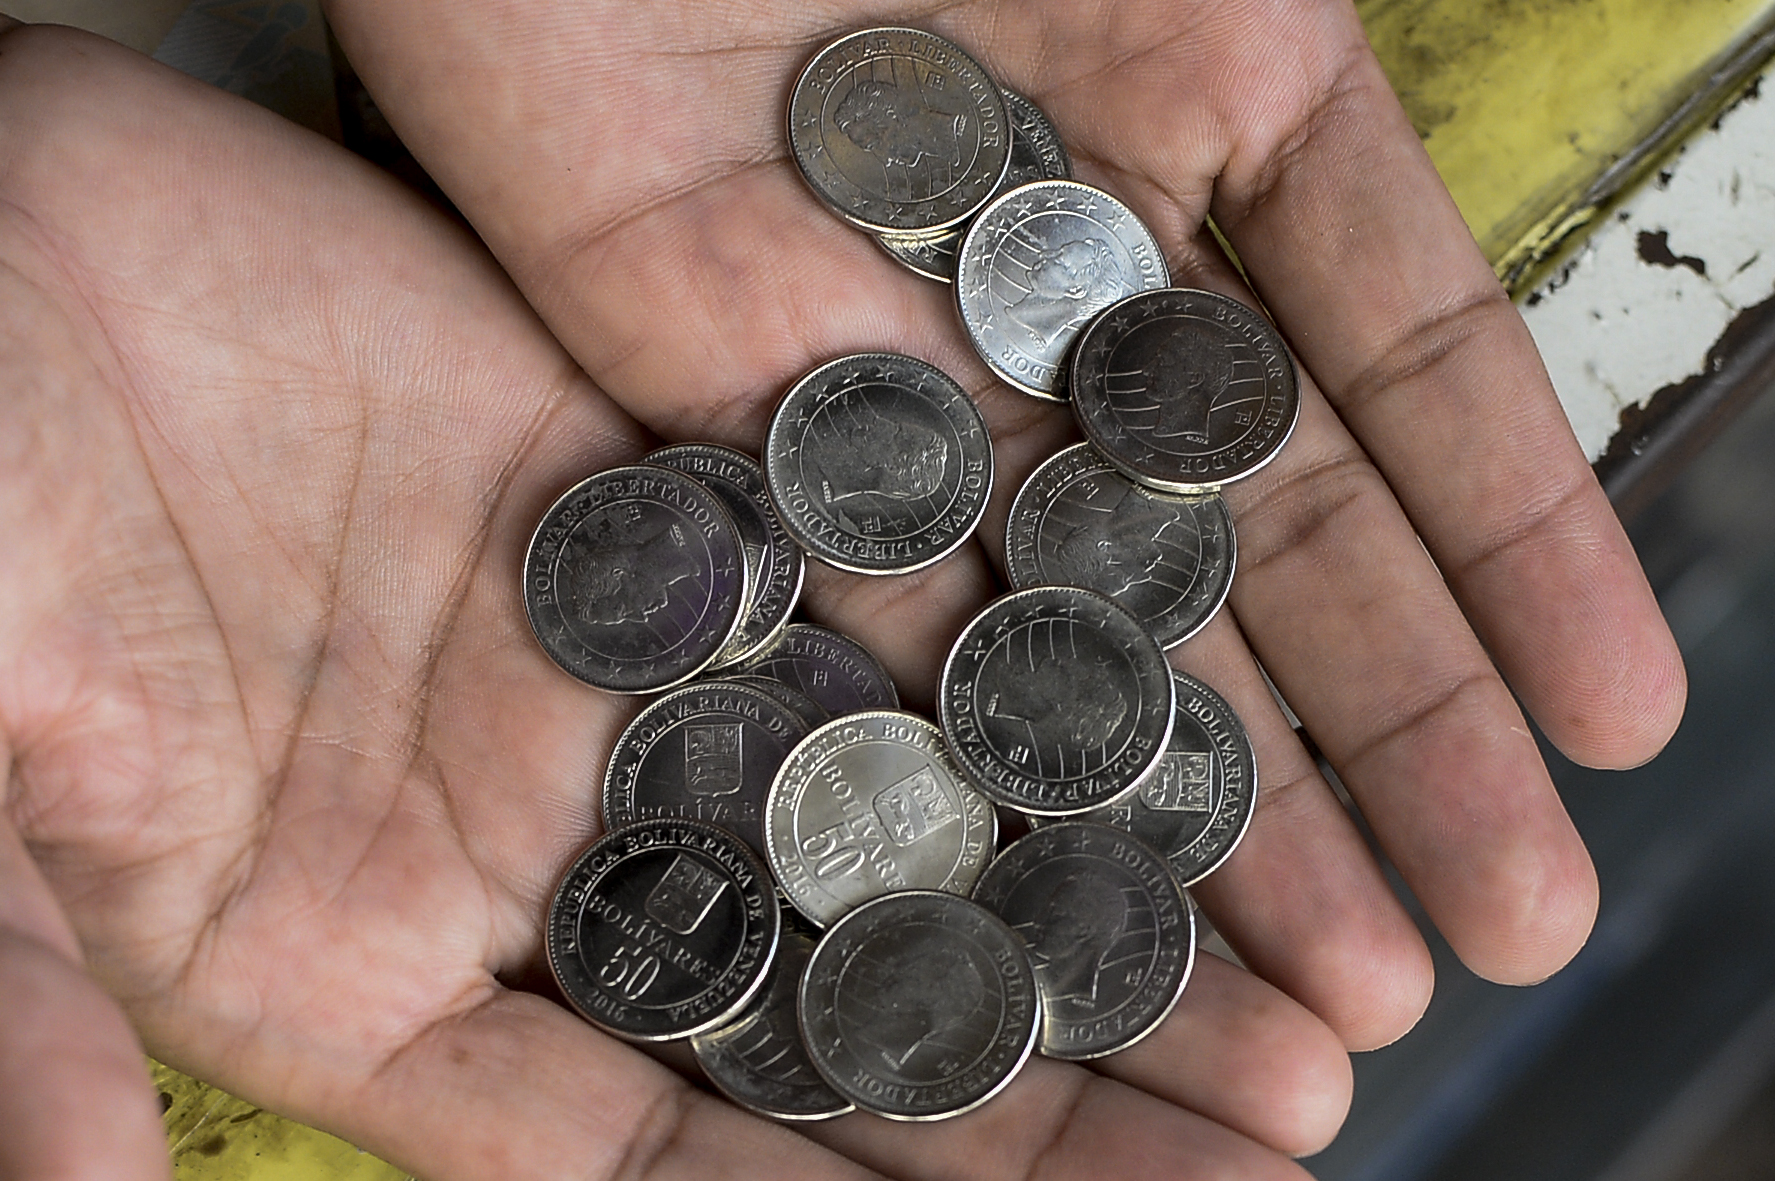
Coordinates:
(1073,938)
(619,568)
(1056,700)
(918,146)
(1118,547)
(910,1012)
(1064,284)
(876,472)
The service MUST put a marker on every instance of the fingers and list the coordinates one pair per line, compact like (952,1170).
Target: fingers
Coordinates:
(75,1100)
(1359,251)
(1246,1056)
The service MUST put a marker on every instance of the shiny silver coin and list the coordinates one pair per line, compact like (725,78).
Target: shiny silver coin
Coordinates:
(1196,807)
(898,131)
(774,563)
(1168,559)
(1185,390)
(919,1005)
(811,712)
(635,579)
(1037,264)
(1055,700)
(663,929)
(868,804)
(1110,933)
(878,463)
(708,751)
(759,1060)
(836,671)
(1036,154)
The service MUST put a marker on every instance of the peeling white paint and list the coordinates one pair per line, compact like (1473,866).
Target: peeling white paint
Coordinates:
(1615,328)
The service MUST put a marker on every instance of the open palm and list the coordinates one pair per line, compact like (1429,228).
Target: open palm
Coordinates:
(287,770)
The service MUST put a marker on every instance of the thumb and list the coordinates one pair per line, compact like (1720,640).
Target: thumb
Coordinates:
(75,1098)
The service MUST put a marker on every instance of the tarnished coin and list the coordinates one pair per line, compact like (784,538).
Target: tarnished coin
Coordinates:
(1168,559)
(708,751)
(1036,154)
(1110,933)
(635,579)
(1196,807)
(663,929)
(759,1060)
(836,671)
(919,1005)
(871,803)
(878,463)
(898,131)
(774,563)
(1185,390)
(1037,264)
(804,707)
(1055,700)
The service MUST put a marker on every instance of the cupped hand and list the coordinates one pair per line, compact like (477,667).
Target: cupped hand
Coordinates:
(1430,535)
(289,781)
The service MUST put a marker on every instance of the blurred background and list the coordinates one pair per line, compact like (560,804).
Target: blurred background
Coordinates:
(1615,160)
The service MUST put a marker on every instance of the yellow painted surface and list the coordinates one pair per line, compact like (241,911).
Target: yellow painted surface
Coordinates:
(216,1137)
(1522,104)
(1525,104)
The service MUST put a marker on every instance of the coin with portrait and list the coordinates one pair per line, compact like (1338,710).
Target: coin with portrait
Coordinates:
(919,1005)
(662,930)
(1196,806)
(1167,559)
(1055,700)
(1110,933)
(635,579)
(1036,264)
(1185,390)
(839,674)
(898,130)
(774,563)
(878,463)
(759,1060)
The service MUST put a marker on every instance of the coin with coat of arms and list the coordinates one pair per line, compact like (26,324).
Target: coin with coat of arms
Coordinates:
(871,803)
(707,751)
(663,929)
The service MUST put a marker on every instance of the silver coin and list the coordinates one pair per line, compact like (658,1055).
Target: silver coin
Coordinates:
(1036,154)
(1167,559)
(1037,264)
(774,563)
(759,1061)
(898,130)
(836,671)
(804,707)
(1055,700)
(1196,807)
(878,463)
(1110,932)
(1185,390)
(919,1005)
(635,579)
(663,929)
(871,803)
(708,751)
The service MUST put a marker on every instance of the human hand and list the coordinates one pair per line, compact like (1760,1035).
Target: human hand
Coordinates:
(286,768)
(627,165)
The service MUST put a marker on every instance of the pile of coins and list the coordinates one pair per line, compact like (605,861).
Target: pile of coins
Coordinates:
(804,879)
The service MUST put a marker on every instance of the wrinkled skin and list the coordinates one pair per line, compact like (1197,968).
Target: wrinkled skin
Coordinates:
(289,781)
